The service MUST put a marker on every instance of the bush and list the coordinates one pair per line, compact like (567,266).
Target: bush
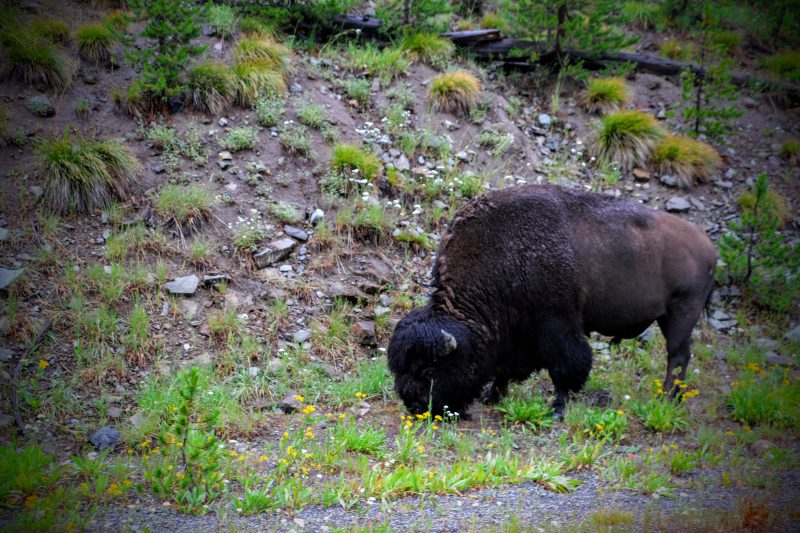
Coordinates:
(687,159)
(53,30)
(626,138)
(427,47)
(221,19)
(786,64)
(726,41)
(790,151)
(94,42)
(212,85)
(84,174)
(295,139)
(269,111)
(605,95)
(185,206)
(34,61)
(347,157)
(239,139)
(678,50)
(454,91)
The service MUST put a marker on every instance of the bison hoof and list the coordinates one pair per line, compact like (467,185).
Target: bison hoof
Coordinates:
(491,397)
(558,414)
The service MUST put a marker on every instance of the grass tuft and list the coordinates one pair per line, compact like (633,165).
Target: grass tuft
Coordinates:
(269,111)
(239,139)
(790,151)
(786,64)
(221,19)
(386,64)
(626,138)
(606,95)
(254,27)
(95,42)
(428,48)
(212,85)
(348,157)
(642,15)
(256,79)
(34,61)
(185,206)
(265,51)
(689,160)
(678,50)
(54,30)
(493,21)
(533,412)
(454,91)
(85,174)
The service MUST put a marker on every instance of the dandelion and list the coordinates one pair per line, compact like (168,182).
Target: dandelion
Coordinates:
(43,364)
(299,398)
(421,448)
(360,395)
(438,418)
(262,458)
(434,427)
(240,458)
(308,409)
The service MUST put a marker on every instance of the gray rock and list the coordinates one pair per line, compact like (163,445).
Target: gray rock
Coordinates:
(364,332)
(114,412)
(678,204)
(40,105)
(225,156)
(274,252)
(793,334)
(316,216)
(697,203)
(183,285)
(765,343)
(661,115)
(36,191)
(669,181)
(724,184)
(215,279)
(402,163)
(222,122)
(295,88)
(3,234)
(285,268)
(719,314)
(718,324)
(105,438)
(386,300)
(290,404)
(6,354)
(545,120)
(381,310)
(301,336)
(772,358)
(295,233)
(158,169)
(7,276)
(189,309)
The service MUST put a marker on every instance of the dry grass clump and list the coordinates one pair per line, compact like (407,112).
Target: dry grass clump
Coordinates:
(454,91)
(604,95)
(626,138)
(212,85)
(260,69)
(33,60)
(95,42)
(689,160)
(428,48)
(187,207)
(85,174)
(493,21)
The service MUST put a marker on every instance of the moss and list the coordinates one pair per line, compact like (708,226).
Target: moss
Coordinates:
(686,158)
(454,91)
(626,138)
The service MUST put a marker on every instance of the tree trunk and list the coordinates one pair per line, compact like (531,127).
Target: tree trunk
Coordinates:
(561,20)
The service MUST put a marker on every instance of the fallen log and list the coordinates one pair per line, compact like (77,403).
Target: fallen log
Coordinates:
(470,37)
(368,25)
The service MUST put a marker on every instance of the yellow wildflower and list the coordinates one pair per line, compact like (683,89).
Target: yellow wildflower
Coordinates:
(241,458)
(438,418)
(434,427)
(421,448)
(308,409)
(299,398)
(360,395)
(232,453)
(262,458)
(43,364)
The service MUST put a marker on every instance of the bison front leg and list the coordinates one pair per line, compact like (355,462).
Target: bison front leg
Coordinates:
(569,360)
(496,391)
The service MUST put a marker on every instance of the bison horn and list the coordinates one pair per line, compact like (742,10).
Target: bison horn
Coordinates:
(450,343)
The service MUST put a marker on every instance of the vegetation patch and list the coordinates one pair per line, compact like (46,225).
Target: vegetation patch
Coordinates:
(354,161)
(221,20)
(54,30)
(84,174)
(239,139)
(95,42)
(212,86)
(428,48)
(454,92)
(185,206)
(605,95)
(688,159)
(269,111)
(786,64)
(626,138)
(790,151)
(35,61)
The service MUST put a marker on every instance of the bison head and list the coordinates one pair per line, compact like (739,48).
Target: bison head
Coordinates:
(433,364)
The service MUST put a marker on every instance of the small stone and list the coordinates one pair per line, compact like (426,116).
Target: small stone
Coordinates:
(669,181)
(793,334)
(772,358)
(285,268)
(697,203)
(641,175)
(7,276)
(274,252)
(730,173)
(402,163)
(765,343)
(138,419)
(290,403)
(114,412)
(381,310)
(661,115)
(6,354)
(189,309)
(225,156)
(364,332)
(301,336)
(545,120)
(749,102)
(105,438)
(253,371)
(295,88)
(183,285)
(222,122)
(158,169)
(295,233)
(316,216)
(386,300)
(724,184)
(678,204)
(215,279)
(40,105)
(36,191)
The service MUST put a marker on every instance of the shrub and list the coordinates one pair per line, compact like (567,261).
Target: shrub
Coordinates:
(786,64)
(269,111)
(790,151)
(347,157)
(454,91)
(605,95)
(34,61)
(626,138)
(84,174)
(53,30)
(185,206)
(95,42)
(212,85)
(642,15)
(240,139)
(772,205)
(427,47)
(686,158)
(256,79)
(221,19)
(678,50)
(295,139)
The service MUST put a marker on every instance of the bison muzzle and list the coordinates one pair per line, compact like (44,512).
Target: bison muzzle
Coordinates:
(524,274)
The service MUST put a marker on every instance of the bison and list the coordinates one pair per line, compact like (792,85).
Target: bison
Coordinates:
(524,274)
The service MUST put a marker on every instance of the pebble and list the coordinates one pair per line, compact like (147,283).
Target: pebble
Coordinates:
(793,334)
(545,120)
(222,122)
(105,437)
(296,233)
(7,276)
(678,204)
(669,181)
(183,285)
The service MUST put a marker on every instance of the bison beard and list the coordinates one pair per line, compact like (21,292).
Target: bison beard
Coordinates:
(523,275)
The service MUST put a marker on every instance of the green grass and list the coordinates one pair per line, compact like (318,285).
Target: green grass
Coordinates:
(689,160)
(642,15)
(185,206)
(295,139)
(35,61)
(360,439)
(285,212)
(605,95)
(22,472)
(256,79)
(212,86)
(238,139)
(428,48)
(366,221)
(626,138)
(352,158)
(493,21)
(269,111)
(454,92)
(499,142)
(221,19)
(593,423)
(95,42)
(790,151)
(761,397)
(385,64)
(785,64)
(678,50)
(532,412)
(312,115)
(83,174)
(727,41)
(662,415)
(253,26)
(264,52)
(358,89)
(53,30)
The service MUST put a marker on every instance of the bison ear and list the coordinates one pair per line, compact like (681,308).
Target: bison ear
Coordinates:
(450,343)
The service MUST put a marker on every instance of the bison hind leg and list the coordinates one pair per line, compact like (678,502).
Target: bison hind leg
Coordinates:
(677,326)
